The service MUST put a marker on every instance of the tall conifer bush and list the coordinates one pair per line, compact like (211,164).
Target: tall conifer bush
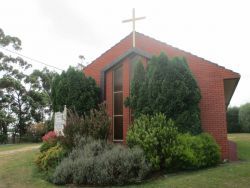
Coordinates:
(167,86)
(137,101)
(74,89)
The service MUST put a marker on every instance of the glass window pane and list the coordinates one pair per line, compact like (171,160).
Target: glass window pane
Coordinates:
(118,103)
(118,128)
(118,79)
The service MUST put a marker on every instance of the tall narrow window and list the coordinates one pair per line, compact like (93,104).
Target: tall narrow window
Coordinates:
(118,104)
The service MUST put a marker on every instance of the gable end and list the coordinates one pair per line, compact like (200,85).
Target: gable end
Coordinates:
(130,52)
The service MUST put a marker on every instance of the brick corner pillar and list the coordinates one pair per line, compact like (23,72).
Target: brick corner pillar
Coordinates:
(213,113)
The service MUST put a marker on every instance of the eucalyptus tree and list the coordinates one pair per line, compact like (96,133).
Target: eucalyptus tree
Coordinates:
(40,82)
(23,98)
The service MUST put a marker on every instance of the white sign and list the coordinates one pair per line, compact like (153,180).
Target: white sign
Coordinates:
(60,121)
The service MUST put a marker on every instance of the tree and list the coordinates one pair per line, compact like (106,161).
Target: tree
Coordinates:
(5,120)
(11,66)
(73,89)
(13,96)
(17,102)
(244,117)
(233,125)
(23,98)
(168,87)
(40,82)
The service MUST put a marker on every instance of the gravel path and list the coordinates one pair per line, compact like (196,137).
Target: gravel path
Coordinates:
(27,148)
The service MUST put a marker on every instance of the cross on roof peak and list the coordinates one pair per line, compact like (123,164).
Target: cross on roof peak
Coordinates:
(133,21)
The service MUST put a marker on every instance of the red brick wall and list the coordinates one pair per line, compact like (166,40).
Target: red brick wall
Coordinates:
(208,75)
(108,57)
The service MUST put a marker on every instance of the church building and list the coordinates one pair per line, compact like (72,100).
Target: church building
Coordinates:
(113,69)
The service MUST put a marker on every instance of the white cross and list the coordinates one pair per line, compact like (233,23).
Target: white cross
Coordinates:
(133,20)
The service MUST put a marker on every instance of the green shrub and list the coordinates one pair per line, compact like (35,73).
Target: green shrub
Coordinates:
(49,159)
(47,145)
(233,124)
(98,163)
(81,157)
(89,147)
(157,136)
(121,165)
(165,148)
(74,126)
(244,117)
(186,156)
(194,152)
(64,172)
(95,124)
(211,150)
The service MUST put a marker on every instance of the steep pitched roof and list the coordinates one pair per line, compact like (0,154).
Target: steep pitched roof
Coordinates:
(154,46)
(147,46)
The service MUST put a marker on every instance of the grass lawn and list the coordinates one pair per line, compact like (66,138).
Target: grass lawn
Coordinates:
(18,170)
(6,147)
(243,144)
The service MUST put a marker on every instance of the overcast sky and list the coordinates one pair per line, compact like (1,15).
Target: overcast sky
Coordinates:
(58,31)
